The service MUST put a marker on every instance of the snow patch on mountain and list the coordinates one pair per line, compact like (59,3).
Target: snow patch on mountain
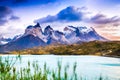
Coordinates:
(4,40)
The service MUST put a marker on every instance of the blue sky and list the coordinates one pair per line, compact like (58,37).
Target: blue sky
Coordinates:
(103,15)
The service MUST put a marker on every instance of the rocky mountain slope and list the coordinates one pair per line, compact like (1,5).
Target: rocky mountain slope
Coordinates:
(34,36)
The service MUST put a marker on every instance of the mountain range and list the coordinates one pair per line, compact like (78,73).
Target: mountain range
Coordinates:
(34,36)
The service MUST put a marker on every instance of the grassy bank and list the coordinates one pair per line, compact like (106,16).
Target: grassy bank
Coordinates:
(33,71)
(89,48)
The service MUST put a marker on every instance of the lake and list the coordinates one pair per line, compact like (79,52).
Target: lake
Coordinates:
(87,66)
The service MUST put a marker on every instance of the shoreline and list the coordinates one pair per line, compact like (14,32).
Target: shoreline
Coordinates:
(59,55)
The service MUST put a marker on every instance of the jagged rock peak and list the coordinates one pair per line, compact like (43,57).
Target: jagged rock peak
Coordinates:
(59,32)
(49,27)
(29,27)
(37,25)
(48,30)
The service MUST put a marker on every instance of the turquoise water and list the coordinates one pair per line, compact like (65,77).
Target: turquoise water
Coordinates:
(87,66)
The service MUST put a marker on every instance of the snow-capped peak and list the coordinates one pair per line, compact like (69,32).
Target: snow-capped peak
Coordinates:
(34,30)
(82,33)
(84,29)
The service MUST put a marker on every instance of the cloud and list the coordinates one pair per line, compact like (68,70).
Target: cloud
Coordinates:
(4,11)
(26,2)
(45,1)
(102,19)
(108,2)
(14,18)
(72,14)
(68,14)
(6,14)
(2,22)
(35,1)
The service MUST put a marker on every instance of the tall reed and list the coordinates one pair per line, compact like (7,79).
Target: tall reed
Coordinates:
(33,71)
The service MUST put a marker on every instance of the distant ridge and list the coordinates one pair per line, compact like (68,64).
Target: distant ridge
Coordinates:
(34,36)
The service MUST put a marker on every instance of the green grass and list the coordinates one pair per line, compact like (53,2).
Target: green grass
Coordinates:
(9,72)
(111,48)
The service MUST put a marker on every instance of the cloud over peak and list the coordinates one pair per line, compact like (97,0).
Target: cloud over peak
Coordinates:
(72,14)
(69,14)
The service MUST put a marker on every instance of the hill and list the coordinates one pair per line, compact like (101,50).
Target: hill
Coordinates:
(111,48)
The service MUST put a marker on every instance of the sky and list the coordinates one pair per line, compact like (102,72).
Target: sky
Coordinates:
(102,15)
